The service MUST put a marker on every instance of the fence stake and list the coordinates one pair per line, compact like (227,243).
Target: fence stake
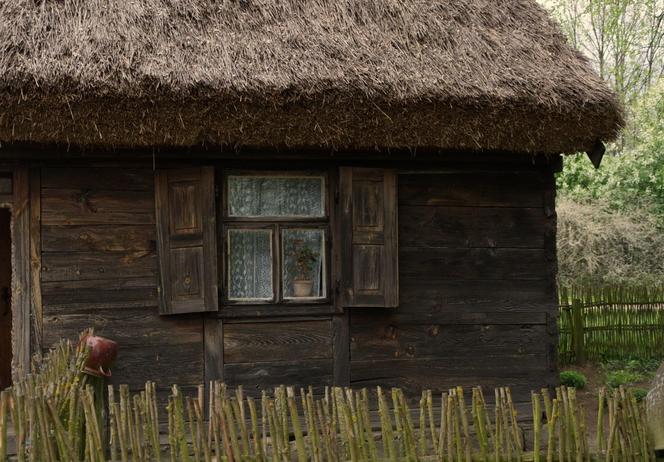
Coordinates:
(577,331)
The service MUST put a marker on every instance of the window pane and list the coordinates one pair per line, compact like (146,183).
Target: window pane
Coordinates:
(272,196)
(303,263)
(250,264)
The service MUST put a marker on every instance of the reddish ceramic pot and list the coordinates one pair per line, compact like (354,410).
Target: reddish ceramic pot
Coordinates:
(102,355)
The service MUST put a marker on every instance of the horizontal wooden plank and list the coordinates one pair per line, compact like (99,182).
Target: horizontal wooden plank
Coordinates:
(164,364)
(486,189)
(438,375)
(385,340)
(79,206)
(130,328)
(151,347)
(237,312)
(403,316)
(66,266)
(440,264)
(256,377)
(89,295)
(106,238)
(108,178)
(277,341)
(458,301)
(434,226)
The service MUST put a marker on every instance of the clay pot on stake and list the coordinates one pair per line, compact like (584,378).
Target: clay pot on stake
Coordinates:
(101,357)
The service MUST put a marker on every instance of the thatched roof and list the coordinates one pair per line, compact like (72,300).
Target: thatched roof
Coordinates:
(452,74)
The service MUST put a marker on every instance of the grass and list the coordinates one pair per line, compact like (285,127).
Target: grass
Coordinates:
(628,372)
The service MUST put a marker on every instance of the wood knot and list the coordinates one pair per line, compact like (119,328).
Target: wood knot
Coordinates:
(83,198)
(391,332)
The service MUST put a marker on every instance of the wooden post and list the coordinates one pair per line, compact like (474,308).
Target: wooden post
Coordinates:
(22,276)
(578,332)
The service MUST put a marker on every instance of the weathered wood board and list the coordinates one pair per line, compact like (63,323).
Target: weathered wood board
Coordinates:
(476,298)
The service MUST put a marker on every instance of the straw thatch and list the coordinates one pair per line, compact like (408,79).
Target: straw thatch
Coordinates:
(451,74)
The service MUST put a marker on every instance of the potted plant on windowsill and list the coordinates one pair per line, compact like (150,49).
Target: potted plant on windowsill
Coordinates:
(305,259)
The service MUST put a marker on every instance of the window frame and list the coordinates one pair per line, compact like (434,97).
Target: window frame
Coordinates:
(276,225)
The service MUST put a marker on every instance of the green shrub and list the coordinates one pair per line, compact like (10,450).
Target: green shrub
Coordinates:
(642,366)
(573,379)
(615,379)
(639,393)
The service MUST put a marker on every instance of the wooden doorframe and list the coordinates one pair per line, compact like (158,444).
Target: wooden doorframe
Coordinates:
(25,206)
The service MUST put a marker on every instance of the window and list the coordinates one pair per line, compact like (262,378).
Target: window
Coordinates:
(275,238)
(276,231)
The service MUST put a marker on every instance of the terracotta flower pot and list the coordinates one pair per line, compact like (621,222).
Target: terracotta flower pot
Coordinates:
(302,287)
(103,353)
(655,409)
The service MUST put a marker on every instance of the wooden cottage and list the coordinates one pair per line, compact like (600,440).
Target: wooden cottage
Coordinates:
(300,192)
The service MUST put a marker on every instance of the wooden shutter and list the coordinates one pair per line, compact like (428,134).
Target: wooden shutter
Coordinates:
(370,276)
(186,240)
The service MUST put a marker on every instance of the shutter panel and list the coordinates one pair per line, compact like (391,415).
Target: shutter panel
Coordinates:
(370,276)
(186,230)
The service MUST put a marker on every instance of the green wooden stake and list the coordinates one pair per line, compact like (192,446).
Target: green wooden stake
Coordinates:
(4,411)
(200,431)
(255,432)
(366,422)
(231,426)
(180,431)
(464,424)
(432,422)
(601,403)
(422,430)
(498,419)
(297,427)
(387,436)
(221,418)
(312,427)
(65,450)
(537,427)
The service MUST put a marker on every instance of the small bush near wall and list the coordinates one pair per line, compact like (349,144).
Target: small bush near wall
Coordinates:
(573,379)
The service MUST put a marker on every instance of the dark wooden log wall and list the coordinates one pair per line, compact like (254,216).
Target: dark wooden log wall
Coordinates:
(477,301)
(99,269)
(262,354)
(477,292)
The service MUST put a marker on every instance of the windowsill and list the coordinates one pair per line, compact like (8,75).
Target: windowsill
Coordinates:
(303,301)
(326,308)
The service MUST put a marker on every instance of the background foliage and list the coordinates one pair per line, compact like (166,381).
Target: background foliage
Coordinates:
(611,220)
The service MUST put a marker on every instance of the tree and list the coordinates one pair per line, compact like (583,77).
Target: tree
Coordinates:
(633,178)
(622,38)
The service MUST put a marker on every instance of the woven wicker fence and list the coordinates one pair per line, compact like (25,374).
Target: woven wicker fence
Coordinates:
(611,323)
